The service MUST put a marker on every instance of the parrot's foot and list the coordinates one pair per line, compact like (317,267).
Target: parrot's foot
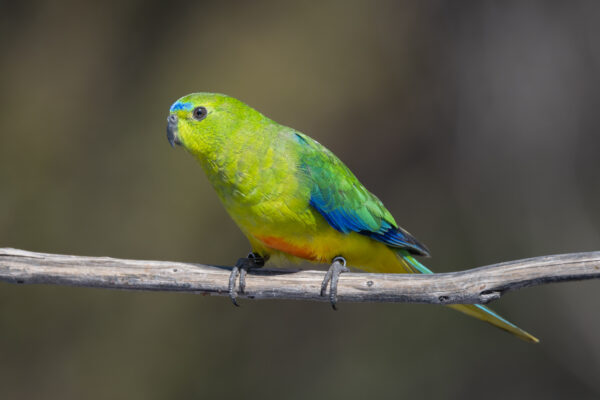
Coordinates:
(333,274)
(241,268)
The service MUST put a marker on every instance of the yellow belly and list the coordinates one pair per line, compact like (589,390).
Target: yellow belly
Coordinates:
(360,251)
(282,229)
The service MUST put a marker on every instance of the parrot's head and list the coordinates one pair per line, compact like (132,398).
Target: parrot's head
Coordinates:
(203,123)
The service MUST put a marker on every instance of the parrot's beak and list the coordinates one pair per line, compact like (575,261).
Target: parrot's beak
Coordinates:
(172,130)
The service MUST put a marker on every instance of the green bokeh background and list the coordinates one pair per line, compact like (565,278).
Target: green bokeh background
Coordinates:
(475,122)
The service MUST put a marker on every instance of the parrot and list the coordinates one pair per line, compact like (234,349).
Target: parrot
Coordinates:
(294,199)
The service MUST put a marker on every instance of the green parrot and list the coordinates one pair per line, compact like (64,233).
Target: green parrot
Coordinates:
(294,199)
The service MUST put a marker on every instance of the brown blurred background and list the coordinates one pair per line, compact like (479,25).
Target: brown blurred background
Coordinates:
(475,122)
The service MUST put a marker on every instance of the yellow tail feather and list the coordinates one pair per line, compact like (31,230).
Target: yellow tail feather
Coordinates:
(485,314)
(474,310)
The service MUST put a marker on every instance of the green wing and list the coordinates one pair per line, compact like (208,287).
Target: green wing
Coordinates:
(345,203)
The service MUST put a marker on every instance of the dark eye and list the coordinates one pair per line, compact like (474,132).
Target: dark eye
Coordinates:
(199,113)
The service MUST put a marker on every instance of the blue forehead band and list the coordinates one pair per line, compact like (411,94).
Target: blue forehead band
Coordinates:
(181,106)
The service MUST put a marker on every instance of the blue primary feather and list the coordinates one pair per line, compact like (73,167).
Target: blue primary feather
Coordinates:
(347,221)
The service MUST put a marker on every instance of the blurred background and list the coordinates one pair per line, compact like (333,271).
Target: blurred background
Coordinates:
(475,122)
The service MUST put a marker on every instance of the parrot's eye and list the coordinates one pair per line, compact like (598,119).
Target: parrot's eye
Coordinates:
(199,113)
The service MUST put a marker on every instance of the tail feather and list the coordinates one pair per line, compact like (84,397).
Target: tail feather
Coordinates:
(474,310)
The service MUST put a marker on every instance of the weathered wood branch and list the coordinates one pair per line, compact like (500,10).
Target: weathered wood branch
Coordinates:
(479,285)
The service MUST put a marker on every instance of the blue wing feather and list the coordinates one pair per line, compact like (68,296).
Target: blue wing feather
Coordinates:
(347,221)
(344,202)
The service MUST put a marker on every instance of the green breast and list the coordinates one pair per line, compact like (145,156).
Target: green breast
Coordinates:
(257,178)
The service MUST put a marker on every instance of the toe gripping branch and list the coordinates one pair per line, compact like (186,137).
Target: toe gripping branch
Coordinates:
(338,266)
(253,260)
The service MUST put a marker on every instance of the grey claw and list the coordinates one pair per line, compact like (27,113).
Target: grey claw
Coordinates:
(241,268)
(232,278)
(333,275)
(243,272)
(326,281)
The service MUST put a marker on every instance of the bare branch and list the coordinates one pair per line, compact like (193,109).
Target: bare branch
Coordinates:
(479,285)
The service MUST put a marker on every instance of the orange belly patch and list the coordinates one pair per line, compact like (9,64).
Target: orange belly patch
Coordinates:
(286,247)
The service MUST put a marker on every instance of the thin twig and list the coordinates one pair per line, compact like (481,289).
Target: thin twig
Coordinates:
(479,285)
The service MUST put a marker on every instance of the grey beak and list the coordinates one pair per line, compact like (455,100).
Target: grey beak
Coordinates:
(172,130)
